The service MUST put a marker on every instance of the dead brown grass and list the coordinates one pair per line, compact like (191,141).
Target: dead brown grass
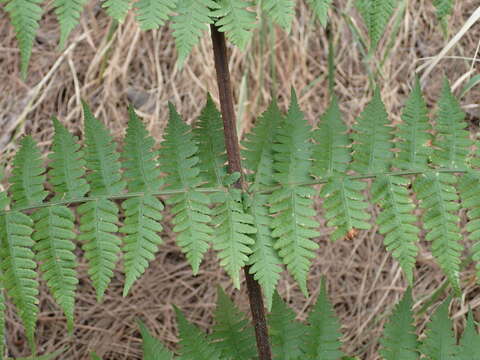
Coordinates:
(364,282)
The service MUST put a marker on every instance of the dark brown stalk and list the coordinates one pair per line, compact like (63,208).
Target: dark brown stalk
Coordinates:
(234,165)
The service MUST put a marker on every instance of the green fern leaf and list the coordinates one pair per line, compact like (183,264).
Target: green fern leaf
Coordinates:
(193,343)
(330,152)
(440,340)
(414,133)
(178,158)
(399,341)
(151,14)
(293,225)
(54,247)
(373,139)
(2,316)
(117,9)
(153,349)
(286,333)
(235,20)
(18,268)
(190,23)
(68,13)
(396,220)
(264,260)
(27,176)
(142,214)
(469,346)
(376,14)
(444,9)
(344,205)
(439,199)
(469,188)
(67,165)
(322,338)
(452,140)
(320,9)
(24,15)
(232,334)
(280,11)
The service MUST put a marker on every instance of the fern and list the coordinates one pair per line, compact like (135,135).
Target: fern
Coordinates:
(323,333)
(444,9)
(152,348)
(320,9)
(376,14)
(117,9)
(178,158)
(24,15)
(142,215)
(68,13)
(151,14)
(190,22)
(258,153)
(235,20)
(281,12)
(293,226)
(2,316)
(469,346)
(232,334)
(287,335)
(399,340)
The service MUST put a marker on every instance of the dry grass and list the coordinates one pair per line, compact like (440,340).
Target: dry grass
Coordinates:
(364,282)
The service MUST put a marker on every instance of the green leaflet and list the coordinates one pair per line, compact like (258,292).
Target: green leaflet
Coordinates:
(444,9)
(376,14)
(280,11)
(322,337)
(287,334)
(439,198)
(178,158)
(469,346)
(293,226)
(143,214)
(54,234)
(235,20)
(190,23)
(24,15)
(153,349)
(151,14)
(399,340)
(452,140)
(2,317)
(117,9)
(320,9)
(233,334)
(68,13)
(396,220)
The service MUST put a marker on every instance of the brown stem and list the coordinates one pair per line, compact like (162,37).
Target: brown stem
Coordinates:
(234,165)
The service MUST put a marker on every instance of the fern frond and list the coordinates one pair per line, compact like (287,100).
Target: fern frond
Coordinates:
(440,340)
(28,175)
(376,15)
(2,316)
(444,9)
(18,268)
(399,340)
(330,152)
(322,338)
(153,349)
(280,11)
(320,9)
(54,234)
(178,158)
(413,133)
(117,9)
(396,221)
(190,23)
(208,134)
(67,165)
(142,214)
(151,14)
(235,20)
(345,205)
(452,140)
(469,346)
(68,13)
(232,333)
(287,334)
(193,343)
(439,199)
(373,139)
(258,154)
(24,15)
